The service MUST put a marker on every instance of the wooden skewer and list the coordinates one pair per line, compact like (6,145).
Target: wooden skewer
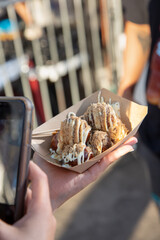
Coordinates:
(45,133)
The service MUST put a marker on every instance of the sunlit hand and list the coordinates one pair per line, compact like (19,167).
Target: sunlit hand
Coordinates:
(64,184)
(38,222)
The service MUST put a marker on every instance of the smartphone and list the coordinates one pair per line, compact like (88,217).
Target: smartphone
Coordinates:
(15,150)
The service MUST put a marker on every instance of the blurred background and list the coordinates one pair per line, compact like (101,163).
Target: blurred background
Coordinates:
(56,52)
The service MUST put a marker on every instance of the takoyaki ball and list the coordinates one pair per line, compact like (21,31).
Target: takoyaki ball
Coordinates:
(73,130)
(100,141)
(118,132)
(54,141)
(76,155)
(103,117)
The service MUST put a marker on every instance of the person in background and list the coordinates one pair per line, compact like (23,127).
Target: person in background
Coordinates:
(142,29)
(32,31)
(47,194)
(8,28)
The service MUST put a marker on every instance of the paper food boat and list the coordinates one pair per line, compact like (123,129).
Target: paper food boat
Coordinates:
(132,115)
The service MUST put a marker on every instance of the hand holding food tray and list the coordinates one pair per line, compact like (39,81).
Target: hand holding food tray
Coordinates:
(121,113)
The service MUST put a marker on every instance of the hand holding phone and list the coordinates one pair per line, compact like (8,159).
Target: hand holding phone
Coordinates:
(38,221)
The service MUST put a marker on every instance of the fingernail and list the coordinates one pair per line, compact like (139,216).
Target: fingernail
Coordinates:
(132,149)
(136,140)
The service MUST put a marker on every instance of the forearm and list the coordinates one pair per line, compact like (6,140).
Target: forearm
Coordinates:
(135,55)
(23,12)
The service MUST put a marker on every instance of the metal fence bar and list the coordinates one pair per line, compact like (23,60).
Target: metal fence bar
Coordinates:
(69,49)
(104,24)
(6,83)
(42,83)
(39,62)
(96,46)
(87,81)
(55,58)
(118,30)
(115,29)
(19,53)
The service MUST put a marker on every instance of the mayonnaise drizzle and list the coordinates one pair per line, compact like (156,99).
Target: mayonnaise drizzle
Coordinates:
(74,155)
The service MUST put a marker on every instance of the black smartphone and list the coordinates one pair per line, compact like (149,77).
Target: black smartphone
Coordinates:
(15,149)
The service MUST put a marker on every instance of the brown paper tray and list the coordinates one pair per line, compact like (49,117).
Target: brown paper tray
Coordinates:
(132,115)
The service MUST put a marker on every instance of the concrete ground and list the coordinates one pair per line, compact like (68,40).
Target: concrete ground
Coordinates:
(117,207)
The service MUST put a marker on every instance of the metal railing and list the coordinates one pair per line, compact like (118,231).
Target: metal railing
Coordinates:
(67,62)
